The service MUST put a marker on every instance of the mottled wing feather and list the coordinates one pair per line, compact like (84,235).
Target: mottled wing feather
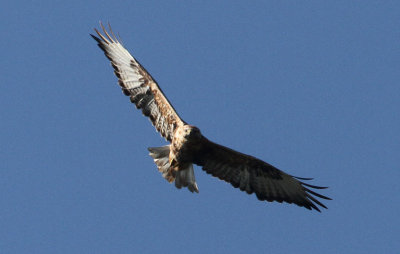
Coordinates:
(138,84)
(252,175)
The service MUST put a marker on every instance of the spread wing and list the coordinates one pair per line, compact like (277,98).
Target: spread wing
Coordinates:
(138,84)
(255,176)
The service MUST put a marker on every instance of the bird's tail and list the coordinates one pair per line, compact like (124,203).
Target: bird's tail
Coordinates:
(183,177)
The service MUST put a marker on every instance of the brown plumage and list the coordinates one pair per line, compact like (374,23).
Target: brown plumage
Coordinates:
(188,146)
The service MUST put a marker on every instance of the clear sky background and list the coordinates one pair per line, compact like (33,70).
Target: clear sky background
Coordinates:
(312,88)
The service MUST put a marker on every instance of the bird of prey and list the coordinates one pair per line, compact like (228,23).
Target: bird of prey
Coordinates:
(188,146)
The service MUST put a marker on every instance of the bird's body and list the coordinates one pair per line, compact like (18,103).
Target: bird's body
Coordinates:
(185,144)
(188,146)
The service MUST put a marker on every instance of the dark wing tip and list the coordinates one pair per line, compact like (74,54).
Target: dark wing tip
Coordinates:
(302,178)
(97,39)
(310,200)
(106,38)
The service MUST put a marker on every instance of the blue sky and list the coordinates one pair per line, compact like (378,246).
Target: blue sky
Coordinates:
(311,88)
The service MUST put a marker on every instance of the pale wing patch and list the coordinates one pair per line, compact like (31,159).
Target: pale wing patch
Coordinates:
(138,84)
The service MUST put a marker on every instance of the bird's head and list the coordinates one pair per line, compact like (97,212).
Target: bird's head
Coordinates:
(192,132)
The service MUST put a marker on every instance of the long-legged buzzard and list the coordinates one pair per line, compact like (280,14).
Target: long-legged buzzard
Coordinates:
(188,146)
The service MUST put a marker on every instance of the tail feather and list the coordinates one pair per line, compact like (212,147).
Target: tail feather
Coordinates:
(184,177)
(161,158)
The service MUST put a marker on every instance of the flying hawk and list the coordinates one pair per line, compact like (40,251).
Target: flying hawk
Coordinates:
(188,146)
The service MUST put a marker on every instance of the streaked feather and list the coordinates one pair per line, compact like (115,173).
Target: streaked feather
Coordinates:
(138,84)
